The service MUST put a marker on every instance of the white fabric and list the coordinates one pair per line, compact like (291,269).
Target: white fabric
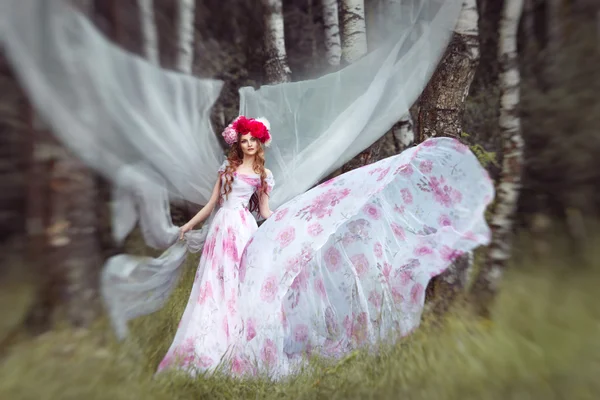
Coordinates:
(342,266)
(117,112)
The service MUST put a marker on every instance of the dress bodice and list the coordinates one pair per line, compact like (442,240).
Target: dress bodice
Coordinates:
(242,188)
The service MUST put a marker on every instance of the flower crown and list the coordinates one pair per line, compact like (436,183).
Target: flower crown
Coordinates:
(258,128)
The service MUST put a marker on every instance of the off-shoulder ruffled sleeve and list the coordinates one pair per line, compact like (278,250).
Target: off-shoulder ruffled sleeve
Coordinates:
(223,166)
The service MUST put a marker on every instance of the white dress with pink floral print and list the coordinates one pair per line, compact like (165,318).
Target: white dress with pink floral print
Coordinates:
(340,267)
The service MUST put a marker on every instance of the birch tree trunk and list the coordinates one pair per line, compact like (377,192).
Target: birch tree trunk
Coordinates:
(440,113)
(149,35)
(276,65)
(331,23)
(507,193)
(354,45)
(185,36)
(404,134)
(442,103)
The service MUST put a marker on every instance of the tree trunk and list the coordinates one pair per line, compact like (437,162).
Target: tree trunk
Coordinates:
(507,194)
(149,36)
(185,54)
(331,22)
(276,66)
(440,113)
(73,237)
(404,134)
(354,45)
(442,102)
(39,318)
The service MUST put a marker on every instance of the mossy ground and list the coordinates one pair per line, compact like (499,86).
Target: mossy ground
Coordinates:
(542,343)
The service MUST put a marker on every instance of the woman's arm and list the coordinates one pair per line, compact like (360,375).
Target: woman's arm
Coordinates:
(263,203)
(263,206)
(204,212)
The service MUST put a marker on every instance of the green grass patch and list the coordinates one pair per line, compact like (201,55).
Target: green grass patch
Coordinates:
(542,343)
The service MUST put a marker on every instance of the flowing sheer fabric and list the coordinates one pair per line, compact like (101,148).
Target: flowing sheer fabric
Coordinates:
(137,123)
(340,267)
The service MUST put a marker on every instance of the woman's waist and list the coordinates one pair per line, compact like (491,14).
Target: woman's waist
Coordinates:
(234,205)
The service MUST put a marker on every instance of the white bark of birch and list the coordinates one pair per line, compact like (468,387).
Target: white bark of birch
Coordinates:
(185,54)
(331,24)
(354,44)
(149,36)
(276,66)
(510,179)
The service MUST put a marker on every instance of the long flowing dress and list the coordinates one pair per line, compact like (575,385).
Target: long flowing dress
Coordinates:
(342,266)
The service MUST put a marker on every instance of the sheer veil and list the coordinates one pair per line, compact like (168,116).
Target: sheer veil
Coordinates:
(148,129)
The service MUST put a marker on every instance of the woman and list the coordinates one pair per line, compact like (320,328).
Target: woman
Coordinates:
(243,187)
(339,267)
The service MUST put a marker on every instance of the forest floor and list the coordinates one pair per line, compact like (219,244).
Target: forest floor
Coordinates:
(542,343)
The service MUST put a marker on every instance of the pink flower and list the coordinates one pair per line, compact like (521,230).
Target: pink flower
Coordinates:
(315,229)
(372,211)
(405,170)
(423,251)
(470,236)
(405,277)
(229,245)
(444,220)
(333,259)
(269,289)
(321,206)
(398,209)
(230,135)
(444,194)
(397,295)
(243,216)
(458,146)
(293,264)
(375,298)
(406,196)
(300,284)
(361,264)
(239,366)
(416,293)
(359,328)
(383,174)
(398,231)
(360,227)
(205,361)
(283,318)
(426,166)
(378,250)
(208,250)
(286,236)
(449,254)
(250,329)
(330,321)
(320,288)
(280,214)
(347,323)
(205,293)
(387,269)
(242,270)
(269,352)
(429,143)
(225,326)
(300,333)
(231,304)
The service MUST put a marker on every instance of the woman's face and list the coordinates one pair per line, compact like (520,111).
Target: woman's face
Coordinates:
(249,144)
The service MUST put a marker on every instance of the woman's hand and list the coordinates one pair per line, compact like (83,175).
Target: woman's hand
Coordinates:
(186,228)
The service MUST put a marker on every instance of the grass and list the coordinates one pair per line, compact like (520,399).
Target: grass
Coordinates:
(542,343)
